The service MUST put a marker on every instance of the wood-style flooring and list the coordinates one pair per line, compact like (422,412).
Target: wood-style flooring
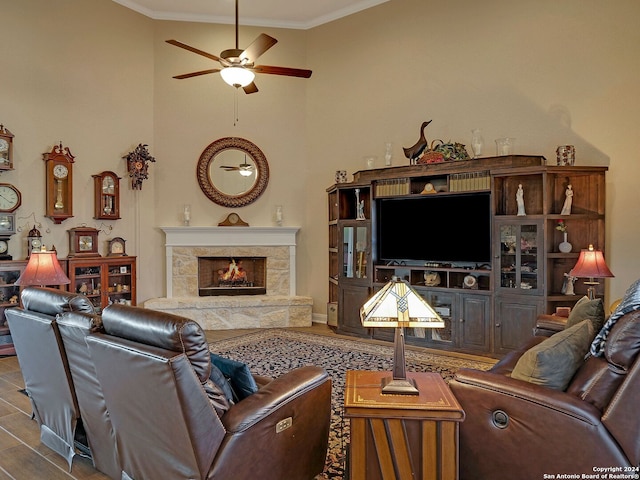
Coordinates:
(23,457)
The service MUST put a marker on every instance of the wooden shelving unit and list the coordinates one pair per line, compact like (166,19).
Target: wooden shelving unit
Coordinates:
(525,277)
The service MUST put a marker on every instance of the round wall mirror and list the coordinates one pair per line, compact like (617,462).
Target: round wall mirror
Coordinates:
(232,172)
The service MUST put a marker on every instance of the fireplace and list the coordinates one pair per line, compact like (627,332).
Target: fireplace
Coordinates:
(231,276)
(238,307)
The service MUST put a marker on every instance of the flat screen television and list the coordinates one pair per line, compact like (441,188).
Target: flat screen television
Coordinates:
(435,228)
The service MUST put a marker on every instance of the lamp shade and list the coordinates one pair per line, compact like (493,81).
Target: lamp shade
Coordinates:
(398,305)
(237,76)
(43,269)
(591,264)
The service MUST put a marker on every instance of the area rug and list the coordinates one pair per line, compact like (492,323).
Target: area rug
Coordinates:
(273,352)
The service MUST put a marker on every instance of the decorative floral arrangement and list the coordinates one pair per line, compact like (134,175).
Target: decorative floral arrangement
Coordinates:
(561,226)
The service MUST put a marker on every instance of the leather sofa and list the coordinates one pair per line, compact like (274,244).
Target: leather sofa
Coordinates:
(133,380)
(517,429)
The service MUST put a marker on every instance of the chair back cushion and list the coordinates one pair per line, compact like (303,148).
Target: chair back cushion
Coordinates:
(74,327)
(163,330)
(52,301)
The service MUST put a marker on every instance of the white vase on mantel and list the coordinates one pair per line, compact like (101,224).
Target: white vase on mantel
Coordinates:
(565,246)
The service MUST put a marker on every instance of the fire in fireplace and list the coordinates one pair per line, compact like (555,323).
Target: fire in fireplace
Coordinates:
(231,276)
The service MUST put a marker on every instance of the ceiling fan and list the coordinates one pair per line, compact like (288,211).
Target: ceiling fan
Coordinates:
(245,169)
(238,67)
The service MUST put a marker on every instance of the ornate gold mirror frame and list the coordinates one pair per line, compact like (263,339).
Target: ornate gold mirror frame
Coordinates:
(232,172)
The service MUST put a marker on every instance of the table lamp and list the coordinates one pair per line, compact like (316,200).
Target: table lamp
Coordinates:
(591,265)
(43,269)
(398,305)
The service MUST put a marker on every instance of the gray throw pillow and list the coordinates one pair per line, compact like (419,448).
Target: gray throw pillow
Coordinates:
(586,309)
(553,362)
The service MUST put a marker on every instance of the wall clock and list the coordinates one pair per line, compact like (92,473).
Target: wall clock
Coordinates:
(106,188)
(6,149)
(10,197)
(83,242)
(116,247)
(59,173)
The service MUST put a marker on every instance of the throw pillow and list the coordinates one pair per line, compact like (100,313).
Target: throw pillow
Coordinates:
(553,362)
(242,382)
(586,309)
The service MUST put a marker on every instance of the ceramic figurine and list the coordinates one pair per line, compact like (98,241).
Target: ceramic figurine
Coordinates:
(566,208)
(520,201)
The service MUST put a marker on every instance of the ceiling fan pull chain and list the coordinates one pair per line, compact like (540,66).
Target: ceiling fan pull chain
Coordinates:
(235,108)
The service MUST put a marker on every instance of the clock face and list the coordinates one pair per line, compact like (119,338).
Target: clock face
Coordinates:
(108,185)
(117,247)
(4,151)
(60,171)
(36,243)
(3,246)
(9,198)
(85,243)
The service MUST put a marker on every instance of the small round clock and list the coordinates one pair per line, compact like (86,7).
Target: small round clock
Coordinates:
(4,246)
(10,197)
(60,171)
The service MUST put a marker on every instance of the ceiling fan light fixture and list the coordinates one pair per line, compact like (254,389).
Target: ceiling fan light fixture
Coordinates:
(245,172)
(237,76)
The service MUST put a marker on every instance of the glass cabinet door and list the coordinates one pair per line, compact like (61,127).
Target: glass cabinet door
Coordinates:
(355,251)
(519,256)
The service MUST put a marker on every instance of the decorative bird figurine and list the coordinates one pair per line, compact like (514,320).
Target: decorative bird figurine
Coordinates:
(412,153)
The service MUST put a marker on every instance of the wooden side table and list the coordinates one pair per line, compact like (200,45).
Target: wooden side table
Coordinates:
(397,437)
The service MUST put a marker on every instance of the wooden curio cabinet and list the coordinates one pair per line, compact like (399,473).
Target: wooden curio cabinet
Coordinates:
(104,280)
(488,307)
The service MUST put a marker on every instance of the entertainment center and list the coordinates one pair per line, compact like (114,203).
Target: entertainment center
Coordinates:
(453,231)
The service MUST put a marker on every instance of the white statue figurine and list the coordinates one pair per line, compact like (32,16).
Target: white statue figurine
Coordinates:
(566,208)
(359,206)
(567,287)
(520,201)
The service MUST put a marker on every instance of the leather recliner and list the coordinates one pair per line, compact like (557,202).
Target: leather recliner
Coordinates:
(516,429)
(44,366)
(152,367)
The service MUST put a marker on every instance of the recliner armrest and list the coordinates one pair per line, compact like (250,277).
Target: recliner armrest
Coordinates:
(547,325)
(481,383)
(272,396)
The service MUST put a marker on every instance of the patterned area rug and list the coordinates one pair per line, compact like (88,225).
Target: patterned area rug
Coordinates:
(274,352)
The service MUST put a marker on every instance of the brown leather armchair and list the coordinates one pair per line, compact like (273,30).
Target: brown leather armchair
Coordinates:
(43,363)
(515,429)
(153,366)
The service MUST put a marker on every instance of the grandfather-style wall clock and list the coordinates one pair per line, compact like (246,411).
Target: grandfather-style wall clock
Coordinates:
(59,165)
(6,149)
(106,187)
(83,242)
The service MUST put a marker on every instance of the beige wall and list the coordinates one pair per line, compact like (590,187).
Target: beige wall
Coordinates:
(97,77)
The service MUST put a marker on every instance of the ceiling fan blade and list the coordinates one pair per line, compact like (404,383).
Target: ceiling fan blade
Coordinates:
(251,88)
(195,74)
(193,49)
(290,72)
(260,45)
(229,168)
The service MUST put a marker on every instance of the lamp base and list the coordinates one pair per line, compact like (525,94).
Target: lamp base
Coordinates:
(399,386)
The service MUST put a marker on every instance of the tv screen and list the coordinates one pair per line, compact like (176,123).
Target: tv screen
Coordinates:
(446,229)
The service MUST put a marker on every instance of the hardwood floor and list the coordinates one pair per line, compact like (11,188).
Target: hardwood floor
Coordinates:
(23,457)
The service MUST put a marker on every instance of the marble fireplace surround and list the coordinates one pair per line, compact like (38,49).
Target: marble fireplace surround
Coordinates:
(279,307)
